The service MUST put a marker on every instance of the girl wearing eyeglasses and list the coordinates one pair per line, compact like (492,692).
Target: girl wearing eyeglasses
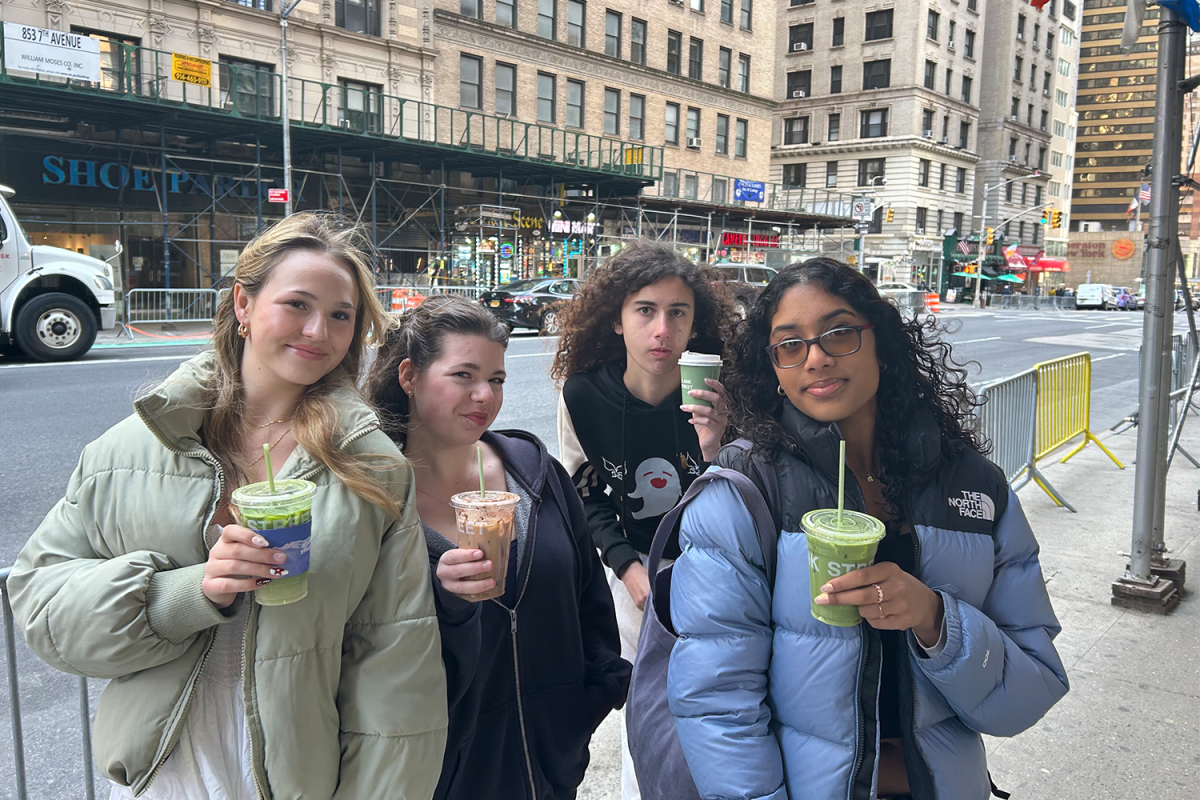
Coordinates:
(958,632)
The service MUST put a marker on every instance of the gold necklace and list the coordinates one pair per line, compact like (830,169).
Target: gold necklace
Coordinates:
(269,424)
(273,444)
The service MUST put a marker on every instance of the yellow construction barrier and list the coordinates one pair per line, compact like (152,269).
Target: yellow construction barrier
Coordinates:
(1064,406)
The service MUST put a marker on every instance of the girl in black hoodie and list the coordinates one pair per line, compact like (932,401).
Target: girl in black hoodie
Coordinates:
(532,673)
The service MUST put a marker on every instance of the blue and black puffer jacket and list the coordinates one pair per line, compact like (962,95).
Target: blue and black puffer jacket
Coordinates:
(770,703)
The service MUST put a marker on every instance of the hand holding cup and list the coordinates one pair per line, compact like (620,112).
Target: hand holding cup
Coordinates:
(458,571)
(239,562)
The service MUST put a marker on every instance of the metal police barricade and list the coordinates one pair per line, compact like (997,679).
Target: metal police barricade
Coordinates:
(147,306)
(14,705)
(1183,374)
(1064,406)
(1008,420)
(908,303)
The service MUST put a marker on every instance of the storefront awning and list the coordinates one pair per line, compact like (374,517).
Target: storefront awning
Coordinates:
(1049,265)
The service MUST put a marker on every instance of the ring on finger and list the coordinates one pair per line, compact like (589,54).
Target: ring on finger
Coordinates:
(880,607)
(879,592)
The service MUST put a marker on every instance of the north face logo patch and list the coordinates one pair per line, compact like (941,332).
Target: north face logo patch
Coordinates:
(975,505)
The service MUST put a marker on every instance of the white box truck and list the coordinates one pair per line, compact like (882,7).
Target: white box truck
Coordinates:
(1096,295)
(52,301)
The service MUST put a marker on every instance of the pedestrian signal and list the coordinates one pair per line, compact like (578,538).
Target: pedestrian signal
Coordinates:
(1056,219)
(991,236)
(891,215)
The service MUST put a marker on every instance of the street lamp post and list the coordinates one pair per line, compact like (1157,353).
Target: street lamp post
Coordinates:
(285,11)
(862,237)
(982,233)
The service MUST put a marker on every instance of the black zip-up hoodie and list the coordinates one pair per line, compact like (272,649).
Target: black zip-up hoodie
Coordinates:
(630,461)
(511,727)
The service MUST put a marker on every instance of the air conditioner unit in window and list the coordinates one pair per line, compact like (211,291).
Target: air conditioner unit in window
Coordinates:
(920,231)
(695,142)
(950,46)
(799,93)
(677,2)
(1012,159)
(927,134)
(945,140)
(1014,118)
(345,123)
(1020,36)
(798,46)
(1045,92)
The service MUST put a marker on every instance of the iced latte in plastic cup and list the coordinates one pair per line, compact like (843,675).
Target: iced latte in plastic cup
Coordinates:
(485,522)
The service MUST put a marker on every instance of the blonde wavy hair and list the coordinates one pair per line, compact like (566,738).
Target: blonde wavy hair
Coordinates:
(316,421)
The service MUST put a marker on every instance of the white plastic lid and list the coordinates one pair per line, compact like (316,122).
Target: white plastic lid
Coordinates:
(699,359)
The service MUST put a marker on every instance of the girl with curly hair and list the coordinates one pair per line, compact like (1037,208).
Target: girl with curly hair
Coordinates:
(959,631)
(630,446)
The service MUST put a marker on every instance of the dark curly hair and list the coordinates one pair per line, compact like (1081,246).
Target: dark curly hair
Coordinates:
(919,377)
(588,339)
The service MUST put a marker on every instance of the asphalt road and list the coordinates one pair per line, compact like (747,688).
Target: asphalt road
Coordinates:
(52,411)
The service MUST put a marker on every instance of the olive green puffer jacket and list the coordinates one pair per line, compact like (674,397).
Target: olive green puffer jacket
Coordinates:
(344,691)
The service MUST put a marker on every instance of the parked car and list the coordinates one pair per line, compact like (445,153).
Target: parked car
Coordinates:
(1126,299)
(746,283)
(530,303)
(1179,301)
(895,286)
(1096,295)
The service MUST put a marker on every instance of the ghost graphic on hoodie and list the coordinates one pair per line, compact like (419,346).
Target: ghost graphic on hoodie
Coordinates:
(657,487)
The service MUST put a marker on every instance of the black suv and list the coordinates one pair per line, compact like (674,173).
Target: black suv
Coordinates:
(530,303)
(745,282)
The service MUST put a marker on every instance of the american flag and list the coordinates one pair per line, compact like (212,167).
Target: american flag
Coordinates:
(963,248)
(1144,194)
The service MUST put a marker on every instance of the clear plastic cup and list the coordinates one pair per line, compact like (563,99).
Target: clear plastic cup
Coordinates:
(284,519)
(835,548)
(486,523)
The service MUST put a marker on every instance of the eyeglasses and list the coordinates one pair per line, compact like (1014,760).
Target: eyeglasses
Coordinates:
(843,341)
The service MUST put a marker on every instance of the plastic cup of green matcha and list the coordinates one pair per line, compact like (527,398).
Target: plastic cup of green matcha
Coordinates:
(837,544)
(693,369)
(284,518)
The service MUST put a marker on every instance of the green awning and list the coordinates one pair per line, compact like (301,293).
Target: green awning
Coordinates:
(972,275)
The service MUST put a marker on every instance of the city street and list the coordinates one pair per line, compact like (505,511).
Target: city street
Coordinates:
(54,410)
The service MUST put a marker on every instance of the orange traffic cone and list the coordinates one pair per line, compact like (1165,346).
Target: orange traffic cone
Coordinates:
(397,301)
(933,303)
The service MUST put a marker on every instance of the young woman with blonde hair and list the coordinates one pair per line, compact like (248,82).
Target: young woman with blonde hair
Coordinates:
(139,575)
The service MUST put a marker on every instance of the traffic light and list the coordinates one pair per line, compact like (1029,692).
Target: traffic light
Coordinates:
(1056,219)
(1047,212)
(991,236)
(891,215)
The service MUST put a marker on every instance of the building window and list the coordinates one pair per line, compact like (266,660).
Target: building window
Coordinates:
(718,190)
(740,132)
(1008,192)
(969,44)
(922,216)
(1015,109)
(873,123)
(506,89)
(1036,231)
(743,73)
(960,180)
(941,177)
(546,91)
(360,16)
(727,11)
(612,112)
(506,13)
(940,218)
(950,34)
(698,5)
(1021,231)
(799,84)
(795,130)
(637,117)
(1020,26)
(693,123)
(470,76)
(724,66)
(923,172)
(958,215)
(246,86)
(671,129)
(839,31)
(800,37)
(674,51)
(612,34)
(877,74)
(1046,82)
(576,23)
(795,176)
(637,41)
(1037,195)
(471,8)
(722,134)
(966,89)
(964,134)
(547,18)
(927,123)
(1060,129)
(574,103)
(835,79)
(1024,193)
(949,79)
(1041,162)
(360,106)
(879,25)
(931,25)
(695,59)
(670,184)
(1032,76)
(831,168)
(1018,68)
(1029,116)
(930,74)
(1045,119)
(835,128)
(1062,98)
(747,14)
(869,169)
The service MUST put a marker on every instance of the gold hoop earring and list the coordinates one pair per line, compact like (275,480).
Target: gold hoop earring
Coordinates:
(243,330)
(779,389)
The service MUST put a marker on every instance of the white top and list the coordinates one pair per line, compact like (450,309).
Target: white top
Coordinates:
(212,760)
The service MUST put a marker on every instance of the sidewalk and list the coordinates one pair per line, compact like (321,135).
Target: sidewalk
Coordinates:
(1130,726)
(155,334)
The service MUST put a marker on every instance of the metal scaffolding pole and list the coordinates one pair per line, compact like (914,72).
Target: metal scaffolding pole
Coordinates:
(1140,587)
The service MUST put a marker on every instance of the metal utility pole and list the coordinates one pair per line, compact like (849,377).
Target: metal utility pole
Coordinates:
(285,11)
(1141,587)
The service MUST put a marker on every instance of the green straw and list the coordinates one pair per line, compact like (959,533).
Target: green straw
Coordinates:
(270,472)
(841,479)
(482,490)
